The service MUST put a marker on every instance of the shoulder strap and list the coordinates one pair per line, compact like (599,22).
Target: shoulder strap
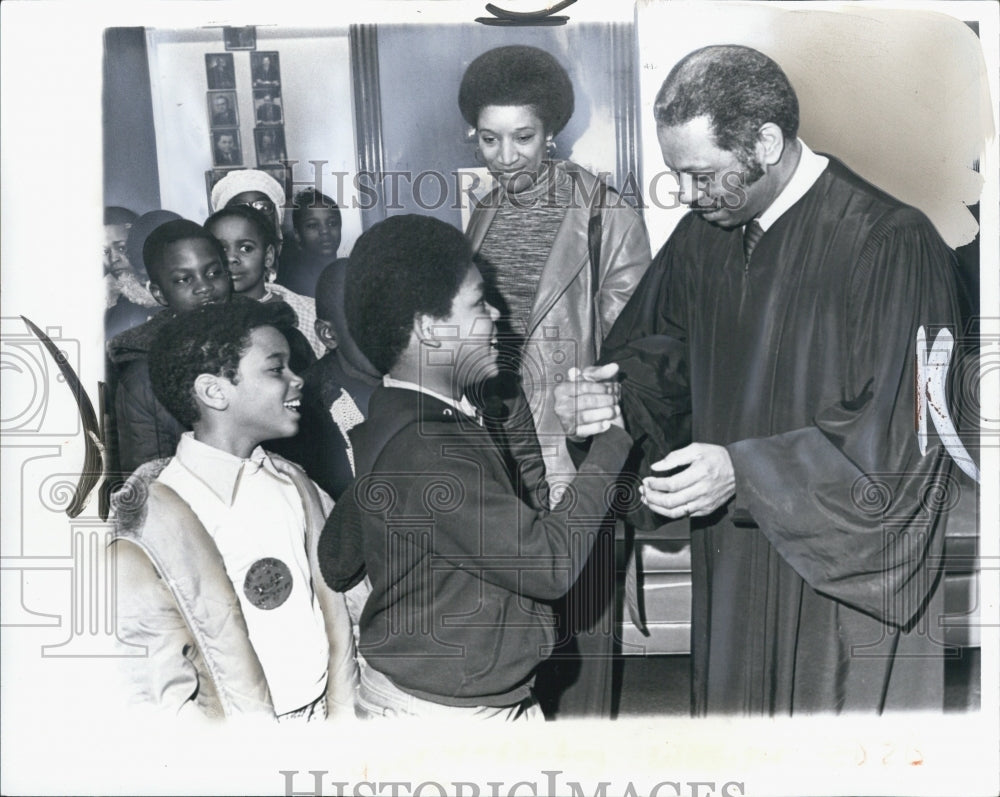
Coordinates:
(594,230)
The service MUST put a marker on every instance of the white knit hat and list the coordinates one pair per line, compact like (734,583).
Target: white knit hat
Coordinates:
(240,180)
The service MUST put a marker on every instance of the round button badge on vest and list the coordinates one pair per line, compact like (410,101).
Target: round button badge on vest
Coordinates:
(268,583)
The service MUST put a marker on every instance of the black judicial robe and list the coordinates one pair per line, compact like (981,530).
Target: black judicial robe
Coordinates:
(817,587)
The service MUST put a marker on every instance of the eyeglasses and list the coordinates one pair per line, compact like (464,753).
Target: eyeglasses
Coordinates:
(263,205)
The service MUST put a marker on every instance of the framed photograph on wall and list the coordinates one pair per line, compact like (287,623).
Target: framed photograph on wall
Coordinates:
(267,107)
(219,71)
(212,176)
(281,173)
(270,144)
(244,38)
(264,69)
(226,148)
(222,109)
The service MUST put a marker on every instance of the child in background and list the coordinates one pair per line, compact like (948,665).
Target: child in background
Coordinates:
(187,269)
(215,548)
(463,562)
(256,189)
(316,224)
(335,395)
(334,400)
(251,249)
(137,235)
(129,303)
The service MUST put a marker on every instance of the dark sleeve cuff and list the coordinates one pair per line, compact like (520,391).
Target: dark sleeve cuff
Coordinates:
(739,513)
(578,450)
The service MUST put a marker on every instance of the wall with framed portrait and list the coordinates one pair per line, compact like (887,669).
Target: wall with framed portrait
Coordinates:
(891,94)
(290,94)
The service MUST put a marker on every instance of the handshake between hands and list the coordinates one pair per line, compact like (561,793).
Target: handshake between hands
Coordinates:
(703,480)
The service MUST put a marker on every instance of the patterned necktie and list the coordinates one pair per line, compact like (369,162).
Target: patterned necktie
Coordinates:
(751,235)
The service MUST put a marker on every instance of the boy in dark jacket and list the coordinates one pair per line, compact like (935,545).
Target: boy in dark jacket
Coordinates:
(462,554)
(187,269)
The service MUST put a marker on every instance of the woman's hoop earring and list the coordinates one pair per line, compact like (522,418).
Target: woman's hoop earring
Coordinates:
(550,148)
(272,275)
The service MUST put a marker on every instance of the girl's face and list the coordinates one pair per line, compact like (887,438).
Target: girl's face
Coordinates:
(318,232)
(249,260)
(512,141)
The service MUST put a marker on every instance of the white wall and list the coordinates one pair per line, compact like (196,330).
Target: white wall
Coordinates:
(316,99)
(901,96)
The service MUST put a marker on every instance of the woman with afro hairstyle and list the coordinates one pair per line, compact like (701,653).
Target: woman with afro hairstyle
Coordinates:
(530,234)
(561,254)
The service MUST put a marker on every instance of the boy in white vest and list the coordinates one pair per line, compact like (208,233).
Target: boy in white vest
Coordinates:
(216,563)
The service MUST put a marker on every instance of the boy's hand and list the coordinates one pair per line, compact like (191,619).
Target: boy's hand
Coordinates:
(587,403)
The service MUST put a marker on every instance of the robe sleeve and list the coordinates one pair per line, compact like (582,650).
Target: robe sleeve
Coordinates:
(849,501)
(624,260)
(650,344)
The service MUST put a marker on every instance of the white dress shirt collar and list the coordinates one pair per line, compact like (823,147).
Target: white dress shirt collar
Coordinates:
(219,470)
(807,172)
(463,405)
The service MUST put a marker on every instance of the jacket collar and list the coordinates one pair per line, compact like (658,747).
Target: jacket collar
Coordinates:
(392,409)
(463,405)
(559,271)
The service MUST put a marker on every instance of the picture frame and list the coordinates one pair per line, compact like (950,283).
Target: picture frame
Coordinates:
(226,147)
(222,109)
(269,145)
(212,176)
(265,69)
(267,107)
(219,71)
(242,38)
(282,173)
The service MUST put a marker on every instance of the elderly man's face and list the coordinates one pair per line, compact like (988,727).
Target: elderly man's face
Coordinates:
(221,104)
(116,261)
(713,181)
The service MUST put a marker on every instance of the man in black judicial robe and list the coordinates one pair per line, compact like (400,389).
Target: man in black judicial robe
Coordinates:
(816,519)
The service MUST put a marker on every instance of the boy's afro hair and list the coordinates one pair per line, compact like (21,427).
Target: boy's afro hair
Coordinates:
(208,340)
(400,268)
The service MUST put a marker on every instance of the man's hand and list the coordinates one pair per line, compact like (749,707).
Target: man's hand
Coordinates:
(702,487)
(587,403)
